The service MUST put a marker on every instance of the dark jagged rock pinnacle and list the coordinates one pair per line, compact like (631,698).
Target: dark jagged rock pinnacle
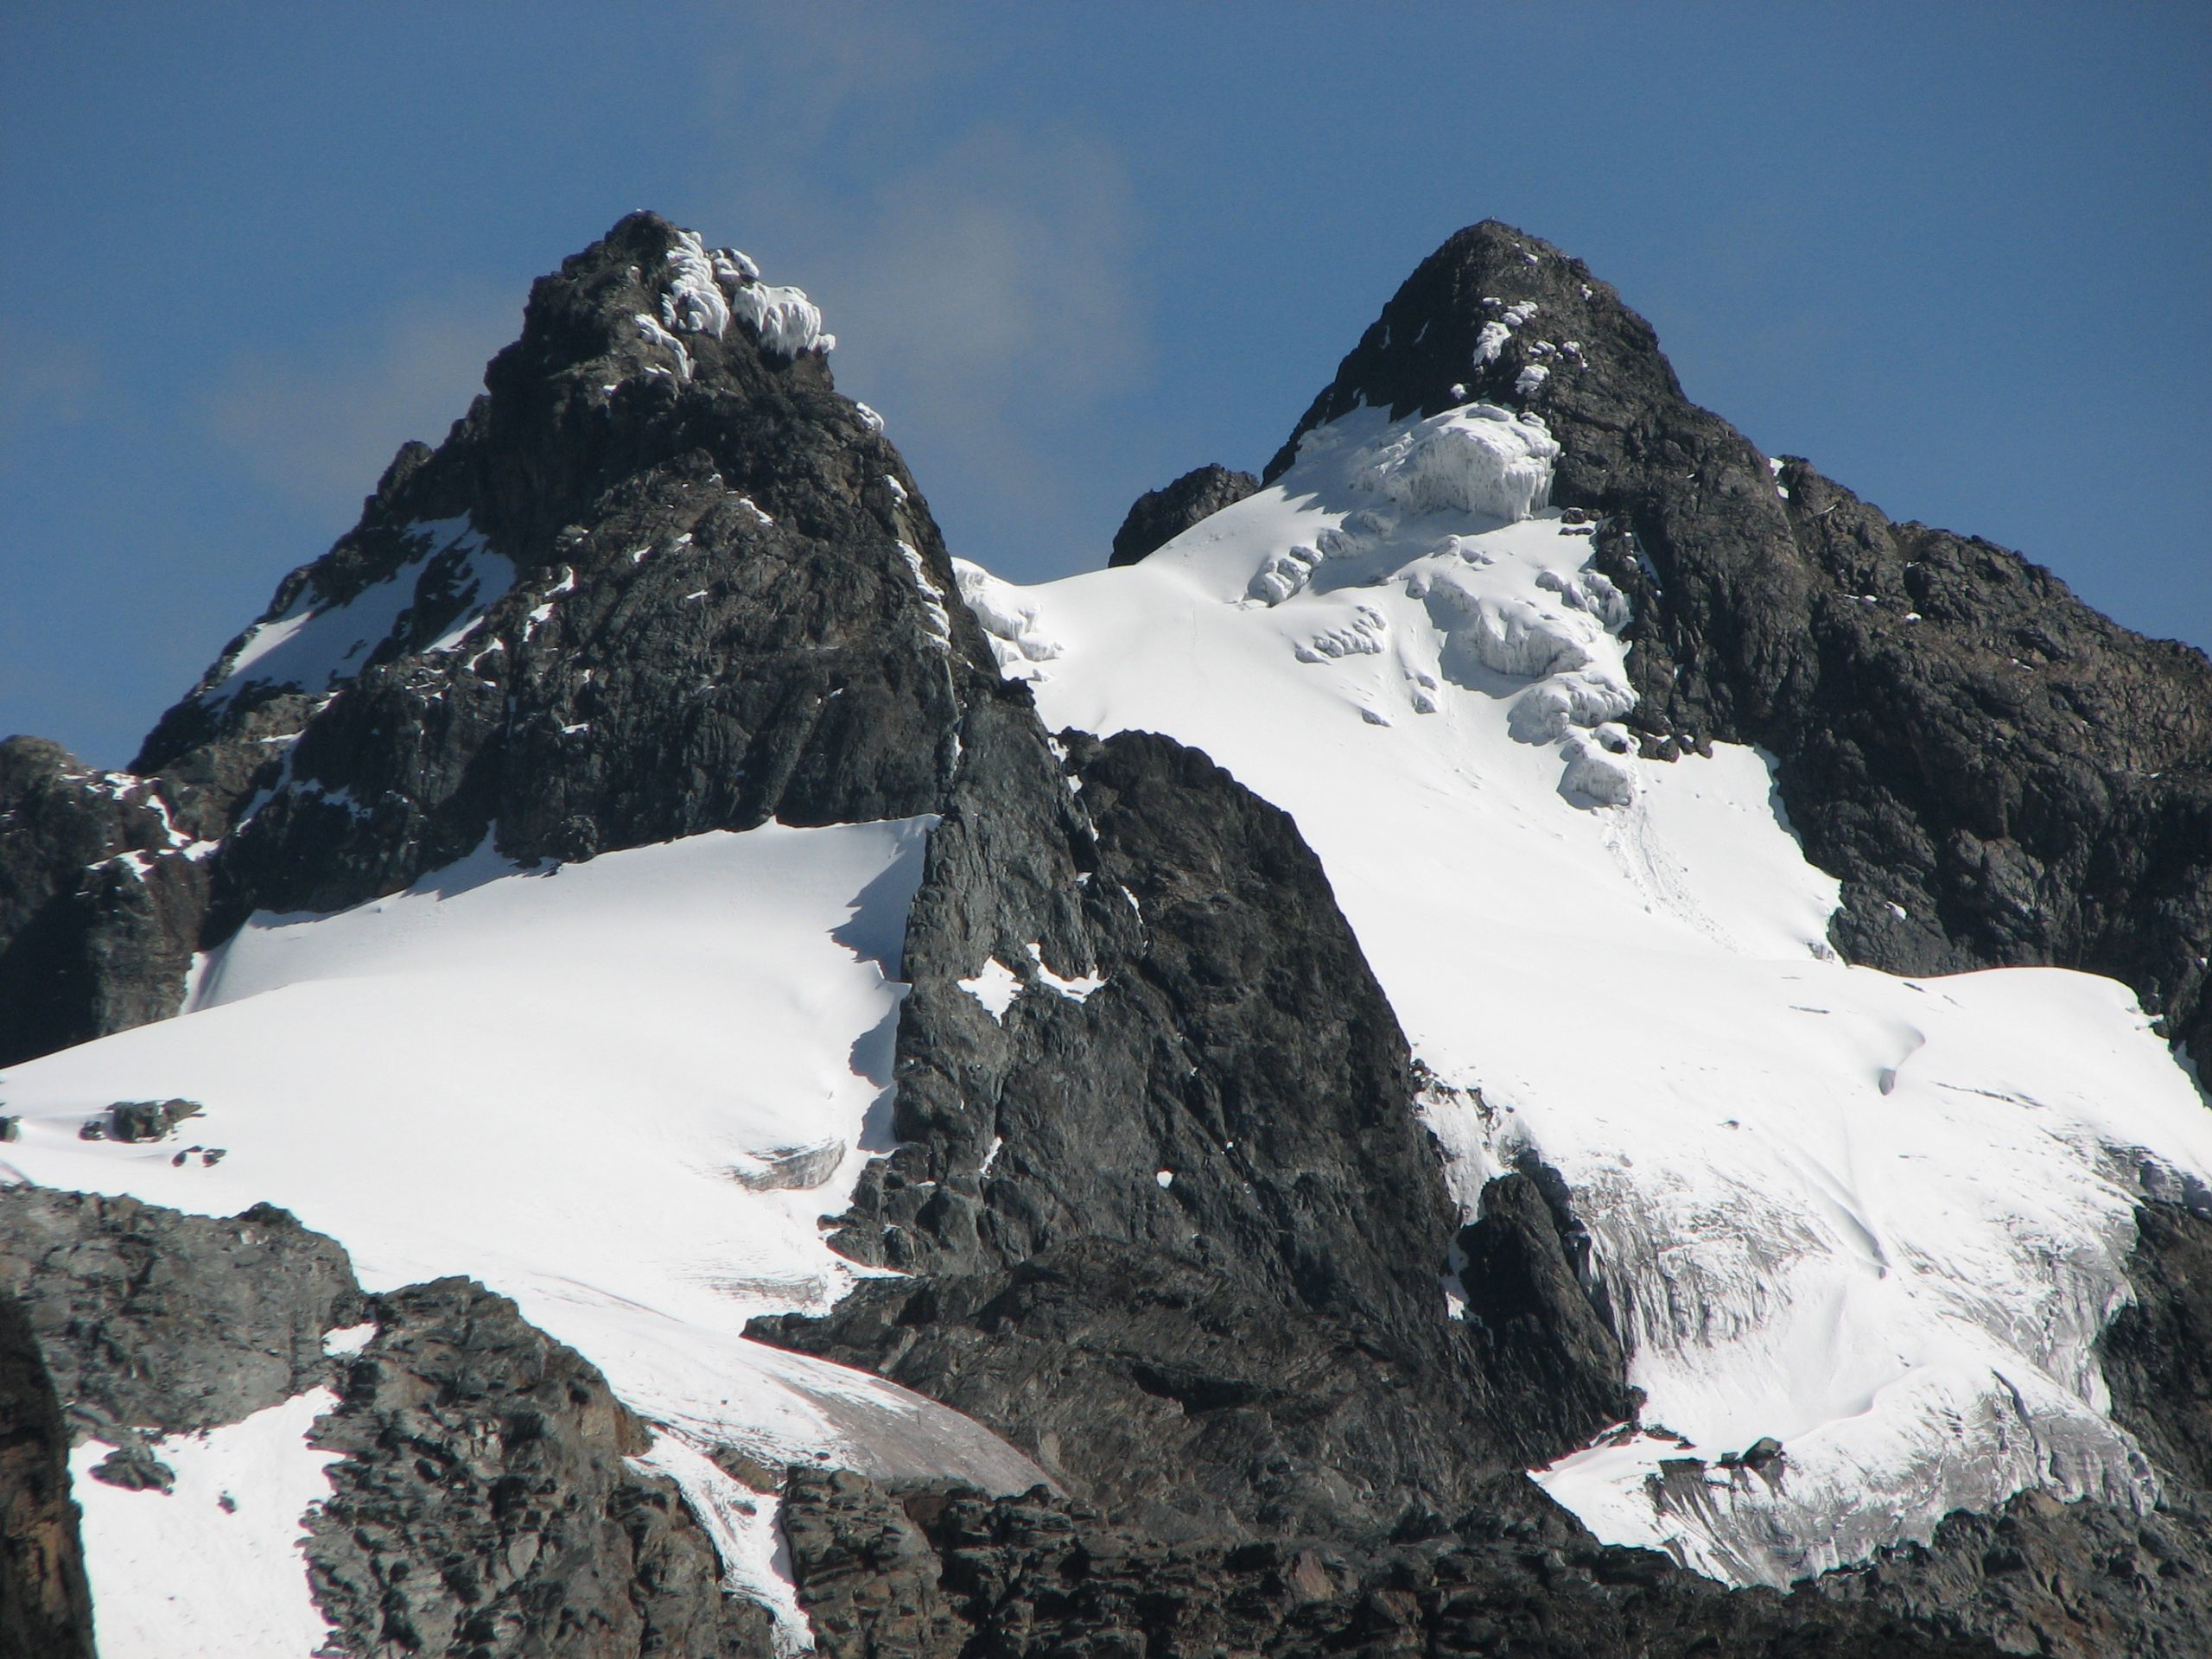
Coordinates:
(729,603)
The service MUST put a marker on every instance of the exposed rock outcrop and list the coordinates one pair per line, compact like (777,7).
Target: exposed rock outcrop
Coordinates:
(99,901)
(45,1605)
(1158,517)
(486,1505)
(1186,1235)
(2073,1580)
(155,1320)
(934,1573)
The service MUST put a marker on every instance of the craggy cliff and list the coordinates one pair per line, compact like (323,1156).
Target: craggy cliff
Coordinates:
(1169,1219)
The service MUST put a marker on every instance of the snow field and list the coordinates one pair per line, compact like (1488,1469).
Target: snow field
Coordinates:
(621,1092)
(1882,1220)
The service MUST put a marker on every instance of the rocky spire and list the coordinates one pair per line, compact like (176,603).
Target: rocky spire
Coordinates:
(660,578)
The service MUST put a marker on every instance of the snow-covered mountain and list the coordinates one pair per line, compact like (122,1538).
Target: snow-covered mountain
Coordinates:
(1514,1039)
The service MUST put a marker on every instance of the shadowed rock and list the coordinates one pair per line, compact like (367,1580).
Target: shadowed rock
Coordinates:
(1158,517)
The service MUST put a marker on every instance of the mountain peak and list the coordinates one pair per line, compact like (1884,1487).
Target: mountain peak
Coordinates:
(1497,315)
(659,577)
(1411,987)
(650,298)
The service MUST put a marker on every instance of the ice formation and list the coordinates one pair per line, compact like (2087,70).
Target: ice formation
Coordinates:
(707,288)
(1478,459)
(786,320)
(694,302)
(1881,1220)
(653,335)
(1009,622)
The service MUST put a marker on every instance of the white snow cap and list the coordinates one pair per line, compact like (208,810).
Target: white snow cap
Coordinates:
(706,289)
(786,320)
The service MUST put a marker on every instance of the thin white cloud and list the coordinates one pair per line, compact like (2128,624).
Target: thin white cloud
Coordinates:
(986,295)
(47,380)
(983,277)
(322,420)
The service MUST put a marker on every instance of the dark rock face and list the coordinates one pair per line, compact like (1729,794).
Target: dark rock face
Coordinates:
(99,910)
(1186,1237)
(2078,1580)
(1541,1337)
(713,620)
(1961,738)
(485,1506)
(1158,517)
(2157,1354)
(935,1573)
(44,1607)
(153,1320)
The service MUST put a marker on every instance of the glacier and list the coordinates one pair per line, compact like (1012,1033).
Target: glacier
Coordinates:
(1880,1220)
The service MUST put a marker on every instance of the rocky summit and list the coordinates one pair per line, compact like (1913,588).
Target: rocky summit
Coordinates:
(1532,1033)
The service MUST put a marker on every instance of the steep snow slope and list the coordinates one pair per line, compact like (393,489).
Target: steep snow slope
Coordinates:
(621,1092)
(1880,1220)
(315,643)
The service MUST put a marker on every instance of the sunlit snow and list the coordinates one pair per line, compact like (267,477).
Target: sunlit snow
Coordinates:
(1880,1219)
(213,1566)
(568,1083)
(317,644)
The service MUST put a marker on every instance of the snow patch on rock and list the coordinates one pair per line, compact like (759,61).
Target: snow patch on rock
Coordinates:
(935,618)
(996,987)
(743,1526)
(316,644)
(1081,988)
(215,1565)
(650,331)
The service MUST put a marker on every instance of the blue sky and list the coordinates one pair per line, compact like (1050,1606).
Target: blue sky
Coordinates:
(1959,256)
